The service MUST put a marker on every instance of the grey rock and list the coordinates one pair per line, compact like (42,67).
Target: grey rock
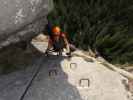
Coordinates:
(20,20)
(14,85)
(60,78)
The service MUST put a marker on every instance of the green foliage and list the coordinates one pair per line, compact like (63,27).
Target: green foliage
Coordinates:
(104,25)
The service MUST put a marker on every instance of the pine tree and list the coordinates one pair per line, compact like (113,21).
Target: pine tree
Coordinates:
(104,25)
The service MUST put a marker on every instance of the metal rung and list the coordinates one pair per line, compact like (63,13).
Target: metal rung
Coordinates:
(73,66)
(85,83)
(53,72)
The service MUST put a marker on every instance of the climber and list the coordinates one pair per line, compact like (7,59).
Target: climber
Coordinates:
(58,41)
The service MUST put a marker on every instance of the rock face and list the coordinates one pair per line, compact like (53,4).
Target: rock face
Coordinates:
(20,20)
(60,77)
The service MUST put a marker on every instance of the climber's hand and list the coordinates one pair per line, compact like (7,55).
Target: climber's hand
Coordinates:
(68,54)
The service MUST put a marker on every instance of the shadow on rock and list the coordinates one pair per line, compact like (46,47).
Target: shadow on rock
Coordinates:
(17,57)
(52,82)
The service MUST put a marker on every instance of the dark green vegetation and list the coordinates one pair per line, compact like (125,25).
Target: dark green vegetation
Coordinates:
(105,26)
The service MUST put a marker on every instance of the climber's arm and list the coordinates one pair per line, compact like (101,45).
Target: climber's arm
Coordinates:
(66,43)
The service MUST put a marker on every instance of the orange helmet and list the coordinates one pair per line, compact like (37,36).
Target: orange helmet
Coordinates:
(56,30)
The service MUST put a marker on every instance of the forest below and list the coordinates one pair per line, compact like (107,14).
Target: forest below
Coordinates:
(105,26)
